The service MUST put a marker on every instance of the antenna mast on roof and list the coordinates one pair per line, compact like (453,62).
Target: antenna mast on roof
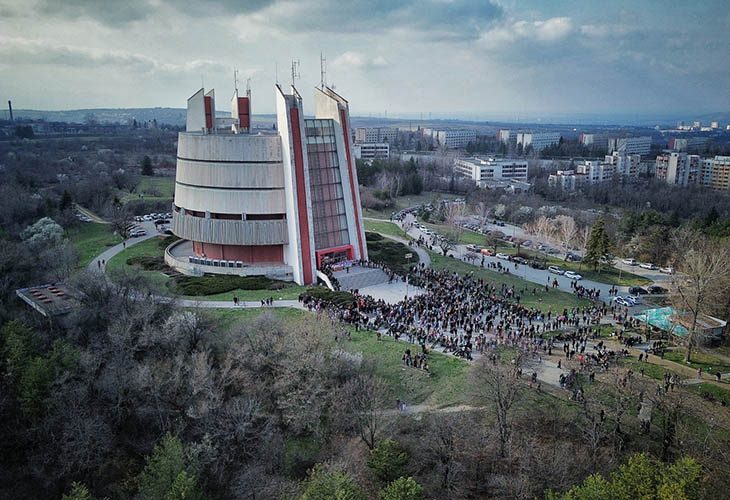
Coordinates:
(248,87)
(322,71)
(295,71)
(235,79)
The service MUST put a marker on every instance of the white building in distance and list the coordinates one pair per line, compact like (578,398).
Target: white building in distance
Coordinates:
(538,141)
(371,150)
(632,145)
(493,172)
(376,134)
(452,138)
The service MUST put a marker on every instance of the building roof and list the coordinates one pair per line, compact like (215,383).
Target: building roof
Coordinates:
(50,300)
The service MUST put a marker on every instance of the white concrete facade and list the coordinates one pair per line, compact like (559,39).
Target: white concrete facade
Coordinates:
(249,198)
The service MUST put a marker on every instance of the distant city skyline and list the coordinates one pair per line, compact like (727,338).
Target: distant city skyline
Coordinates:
(529,60)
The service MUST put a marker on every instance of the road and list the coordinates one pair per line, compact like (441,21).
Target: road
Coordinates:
(538,276)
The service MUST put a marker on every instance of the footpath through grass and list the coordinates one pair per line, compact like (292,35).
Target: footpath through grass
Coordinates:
(90,239)
(151,188)
(552,300)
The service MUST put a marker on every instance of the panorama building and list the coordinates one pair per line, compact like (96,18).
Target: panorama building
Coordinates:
(280,202)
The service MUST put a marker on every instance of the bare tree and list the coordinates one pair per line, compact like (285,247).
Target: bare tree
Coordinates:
(701,283)
(499,385)
(566,231)
(360,403)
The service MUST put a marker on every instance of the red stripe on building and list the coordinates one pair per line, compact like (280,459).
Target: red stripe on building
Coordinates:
(244,119)
(208,112)
(301,195)
(353,187)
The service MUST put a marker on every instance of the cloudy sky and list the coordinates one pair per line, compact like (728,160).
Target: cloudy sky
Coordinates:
(472,57)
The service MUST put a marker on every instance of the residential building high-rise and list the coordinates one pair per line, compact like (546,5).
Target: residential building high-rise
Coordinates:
(716,173)
(678,169)
(277,203)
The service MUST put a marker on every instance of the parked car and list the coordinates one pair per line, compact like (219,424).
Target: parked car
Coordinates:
(637,290)
(556,270)
(573,257)
(487,252)
(503,256)
(519,260)
(622,301)
(654,289)
(573,276)
(666,270)
(629,262)
(537,264)
(473,248)
(647,265)
(635,299)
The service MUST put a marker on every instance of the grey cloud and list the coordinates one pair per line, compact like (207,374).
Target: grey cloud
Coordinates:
(118,13)
(435,19)
(23,52)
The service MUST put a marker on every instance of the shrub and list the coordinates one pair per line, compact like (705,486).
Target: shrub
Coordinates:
(167,241)
(214,284)
(147,263)
(343,299)
(388,461)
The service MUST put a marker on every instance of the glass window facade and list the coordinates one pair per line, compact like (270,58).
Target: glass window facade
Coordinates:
(328,202)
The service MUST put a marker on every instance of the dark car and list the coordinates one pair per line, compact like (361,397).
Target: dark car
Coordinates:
(573,257)
(519,260)
(637,290)
(657,289)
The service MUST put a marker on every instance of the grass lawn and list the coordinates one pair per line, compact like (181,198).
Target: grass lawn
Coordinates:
(554,300)
(719,393)
(152,188)
(392,253)
(402,202)
(90,239)
(289,293)
(443,386)
(146,248)
(699,360)
(388,228)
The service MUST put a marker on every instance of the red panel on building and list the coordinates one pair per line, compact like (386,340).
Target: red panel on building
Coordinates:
(323,253)
(301,195)
(208,111)
(252,254)
(343,119)
(244,112)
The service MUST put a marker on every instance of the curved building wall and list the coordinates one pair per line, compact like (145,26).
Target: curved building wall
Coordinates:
(226,177)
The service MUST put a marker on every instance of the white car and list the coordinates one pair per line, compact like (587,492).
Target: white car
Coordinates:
(647,265)
(622,301)
(556,270)
(572,275)
(473,248)
(503,256)
(666,270)
(629,262)
(636,299)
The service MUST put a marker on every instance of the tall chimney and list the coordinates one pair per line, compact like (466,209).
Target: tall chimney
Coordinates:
(10,108)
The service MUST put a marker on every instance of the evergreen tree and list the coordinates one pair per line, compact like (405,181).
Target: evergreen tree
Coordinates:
(328,485)
(171,473)
(598,249)
(66,201)
(147,166)
(387,461)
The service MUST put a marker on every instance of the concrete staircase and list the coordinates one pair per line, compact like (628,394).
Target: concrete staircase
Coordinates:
(360,277)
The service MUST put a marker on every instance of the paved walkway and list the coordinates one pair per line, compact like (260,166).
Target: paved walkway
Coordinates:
(99,262)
